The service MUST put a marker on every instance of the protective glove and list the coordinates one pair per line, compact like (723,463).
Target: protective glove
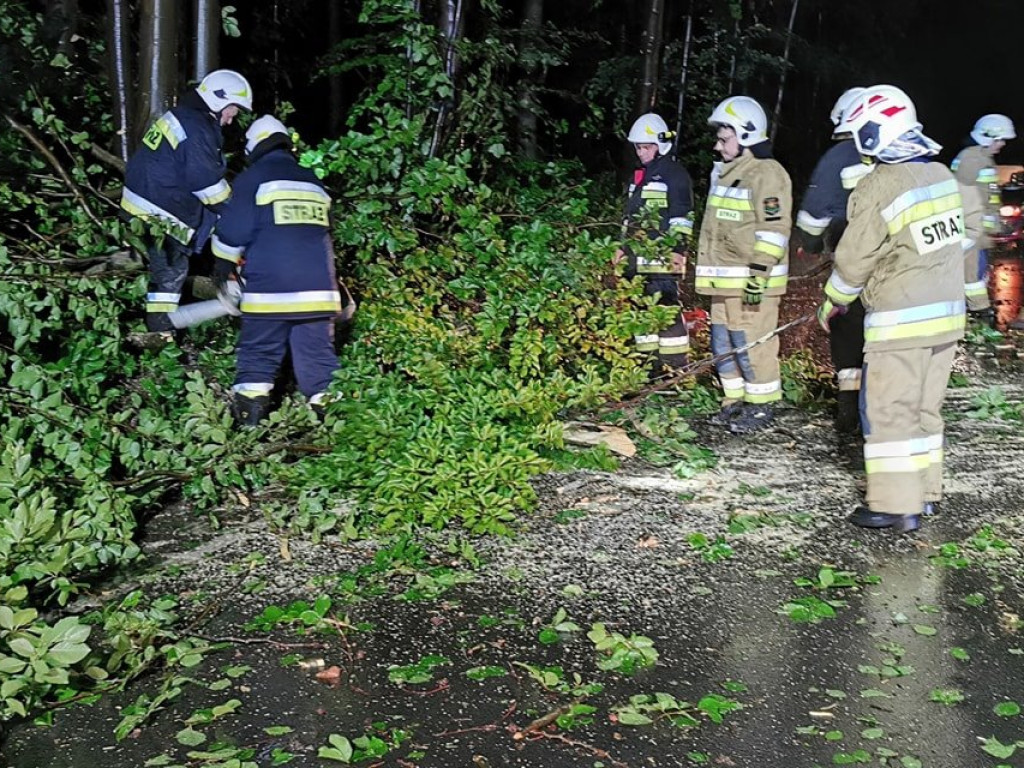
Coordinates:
(826,311)
(223,270)
(754,290)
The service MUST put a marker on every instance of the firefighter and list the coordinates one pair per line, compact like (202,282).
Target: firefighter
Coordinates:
(743,262)
(902,254)
(659,203)
(819,225)
(975,165)
(276,226)
(176,177)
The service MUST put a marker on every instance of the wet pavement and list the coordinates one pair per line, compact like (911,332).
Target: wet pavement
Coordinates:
(925,642)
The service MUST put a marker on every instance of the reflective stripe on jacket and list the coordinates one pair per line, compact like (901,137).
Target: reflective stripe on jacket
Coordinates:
(177,171)
(902,253)
(278,222)
(663,192)
(974,165)
(746,221)
(834,177)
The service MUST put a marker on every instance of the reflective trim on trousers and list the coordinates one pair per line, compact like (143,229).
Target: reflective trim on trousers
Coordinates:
(732,388)
(767,392)
(253,389)
(647,342)
(848,379)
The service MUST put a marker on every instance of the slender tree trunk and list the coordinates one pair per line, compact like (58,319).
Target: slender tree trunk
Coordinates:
(735,50)
(785,67)
(63,14)
(205,37)
(650,50)
(119,62)
(451,23)
(533,20)
(682,78)
(158,75)
(334,83)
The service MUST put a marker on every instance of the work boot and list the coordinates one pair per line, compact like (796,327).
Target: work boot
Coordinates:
(986,316)
(848,412)
(754,417)
(865,518)
(249,411)
(725,416)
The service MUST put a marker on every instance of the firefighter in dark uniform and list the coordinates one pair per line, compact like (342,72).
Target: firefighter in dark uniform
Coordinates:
(276,226)
(820,224)
(660,203)
(176,178)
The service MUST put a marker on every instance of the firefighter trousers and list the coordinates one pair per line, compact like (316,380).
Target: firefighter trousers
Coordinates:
(752,375)
(901,402)
(672,343)
(262,345)
(168,269)
(975,283)
(846,344)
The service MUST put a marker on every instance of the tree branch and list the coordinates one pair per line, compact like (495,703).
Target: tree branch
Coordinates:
(53,161)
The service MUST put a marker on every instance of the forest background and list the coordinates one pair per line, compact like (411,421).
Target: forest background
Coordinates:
(474,151)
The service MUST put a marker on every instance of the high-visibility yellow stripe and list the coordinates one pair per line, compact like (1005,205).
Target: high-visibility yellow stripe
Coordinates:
(729,203)
(923,210)
(923,328)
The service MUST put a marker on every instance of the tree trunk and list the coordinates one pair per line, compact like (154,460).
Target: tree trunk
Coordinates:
(451,23)
(119,63)
(334,83)
(205,37)
(63,15)
(682,79)
(785,67)
(533,19)
(158,75)
(650,49)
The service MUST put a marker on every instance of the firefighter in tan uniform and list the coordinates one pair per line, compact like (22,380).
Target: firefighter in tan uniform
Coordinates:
(902,254)
(743,262)
(975,166)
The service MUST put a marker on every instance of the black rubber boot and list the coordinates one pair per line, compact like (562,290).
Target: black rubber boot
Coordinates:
(865,518)
(249,411)
(725,416)
(986,316)
(848,412)
(753,419)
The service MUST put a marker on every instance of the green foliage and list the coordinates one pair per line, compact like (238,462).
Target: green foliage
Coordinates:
(992,404)
(620,653)
(804,379)
(644,709)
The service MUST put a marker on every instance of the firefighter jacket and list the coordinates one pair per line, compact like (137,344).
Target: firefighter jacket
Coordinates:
(177,173)
(277,219)
(902,253)
(746,221)
(834,177)
(660,201)
(974,165)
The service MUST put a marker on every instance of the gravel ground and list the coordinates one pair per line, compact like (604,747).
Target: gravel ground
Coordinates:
(622,549)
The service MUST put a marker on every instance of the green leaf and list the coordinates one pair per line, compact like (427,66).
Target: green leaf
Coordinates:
(1007,709)
(872,733)
(996,748)
(924,629)
(190,737)
(277,730)
(960,654)
(633,718)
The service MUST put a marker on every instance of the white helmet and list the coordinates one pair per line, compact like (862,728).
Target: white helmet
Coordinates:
(993,128)
(843,103)
(263,128)
(651,129)
(743,115)
(224,87)
(877,117)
